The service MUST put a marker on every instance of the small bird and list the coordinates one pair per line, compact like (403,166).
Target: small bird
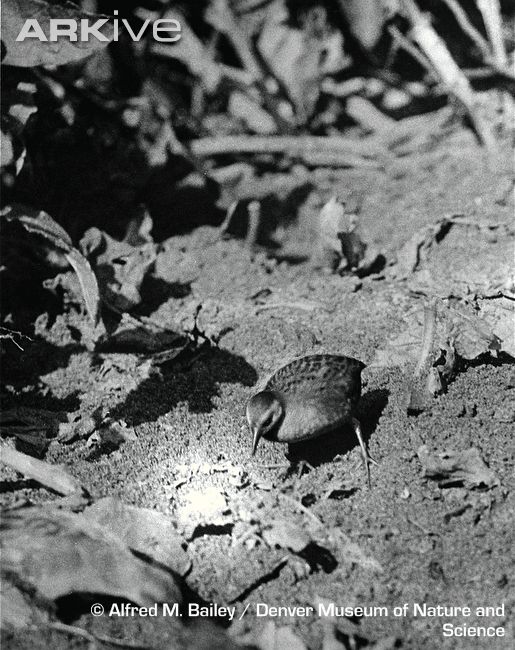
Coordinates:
(306,398)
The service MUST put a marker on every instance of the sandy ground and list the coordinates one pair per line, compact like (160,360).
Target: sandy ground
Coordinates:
(413,541)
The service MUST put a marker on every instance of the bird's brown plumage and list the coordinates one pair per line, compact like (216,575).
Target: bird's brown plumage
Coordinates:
(318,392)
(306,398)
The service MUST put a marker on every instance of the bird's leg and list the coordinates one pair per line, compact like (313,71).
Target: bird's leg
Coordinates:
(303,467)
(298,464)
(367,458)
(298,467)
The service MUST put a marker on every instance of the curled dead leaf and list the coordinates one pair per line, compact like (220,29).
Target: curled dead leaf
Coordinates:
(451,467)
(57,554)
(56,242)
(147,531)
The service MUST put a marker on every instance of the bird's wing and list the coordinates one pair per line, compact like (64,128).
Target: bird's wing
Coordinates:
(308,418)
(319,375)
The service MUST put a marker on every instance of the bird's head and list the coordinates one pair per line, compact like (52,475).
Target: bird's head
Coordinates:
(264,412)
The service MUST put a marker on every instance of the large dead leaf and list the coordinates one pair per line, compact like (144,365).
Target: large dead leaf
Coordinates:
(450,467)
(32,427)
(459,328)
(57,553)
(33,52)
(143,530)
(500,312)
(15,610)
(120,267)
(332,221)
(458,255)
(402,348)
(54,238)
(340,241)
(142,335)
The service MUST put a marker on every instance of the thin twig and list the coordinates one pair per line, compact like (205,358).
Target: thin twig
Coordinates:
(410,48)
(254,225)
(50,476)
(491,12)
(6,333)
(305,306)
(468,28)
(224,227)
(427,337)
(427,532)
(435,49)
(289,145)
(93,637)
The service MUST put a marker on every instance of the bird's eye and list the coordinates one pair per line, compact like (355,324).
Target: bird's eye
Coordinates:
(268,420)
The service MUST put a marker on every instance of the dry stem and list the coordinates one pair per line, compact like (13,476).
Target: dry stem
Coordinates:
(491,12)
(290,145)
(468,28)
(50,476)
(422,32)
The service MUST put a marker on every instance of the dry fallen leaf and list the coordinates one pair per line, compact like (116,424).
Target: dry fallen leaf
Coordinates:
(120,267)
(15,610)
(32,427)
(500,314)
(460,329)
(143,530)
(471,334)
(56,241)
(333,220)
(450,467)
(81,425)
(400,349)
(57,553)
(109,436)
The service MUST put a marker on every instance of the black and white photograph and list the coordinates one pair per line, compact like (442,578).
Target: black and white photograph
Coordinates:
(257,325)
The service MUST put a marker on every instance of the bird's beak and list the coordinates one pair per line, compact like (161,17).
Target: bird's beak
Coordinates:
(256,437)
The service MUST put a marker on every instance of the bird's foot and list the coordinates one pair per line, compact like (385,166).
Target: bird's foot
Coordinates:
(303,467)
(297,468)
(367,458)
(372,460)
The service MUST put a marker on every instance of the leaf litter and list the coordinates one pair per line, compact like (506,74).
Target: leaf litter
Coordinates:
(54,240)
(464,467)
(56,554)
(480,327)
(147,531)
(435,338)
